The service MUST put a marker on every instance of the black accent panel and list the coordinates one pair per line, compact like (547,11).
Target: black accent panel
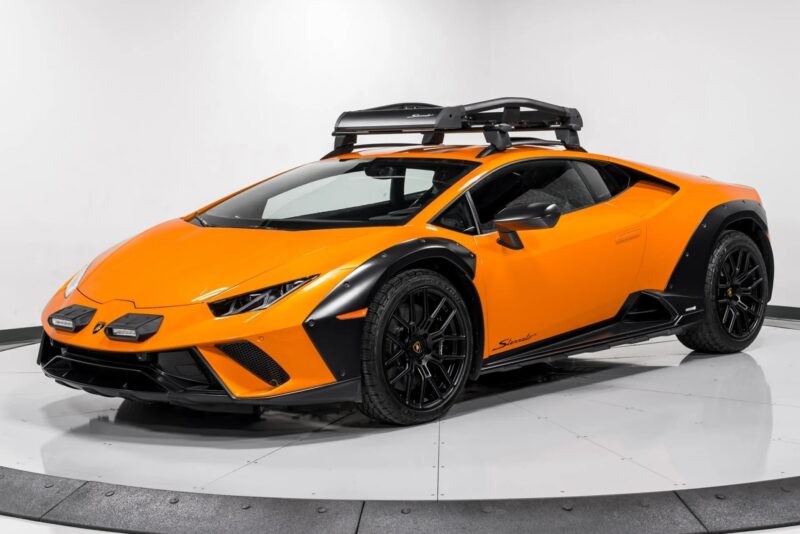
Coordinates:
(141,326)
(339,341)
(665,314)
(256,361)
(179,377)
(689,275)
(646,308)
(165,371)
(72,318)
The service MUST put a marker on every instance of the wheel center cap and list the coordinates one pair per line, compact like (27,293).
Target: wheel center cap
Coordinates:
(730,292)
(417,347)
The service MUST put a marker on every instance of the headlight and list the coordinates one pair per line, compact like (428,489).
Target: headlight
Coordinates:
(255,300)
(74,281)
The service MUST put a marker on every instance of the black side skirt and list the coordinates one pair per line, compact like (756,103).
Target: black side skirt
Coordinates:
(644,315)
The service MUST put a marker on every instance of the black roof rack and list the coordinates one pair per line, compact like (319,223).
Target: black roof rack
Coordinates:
(495,118)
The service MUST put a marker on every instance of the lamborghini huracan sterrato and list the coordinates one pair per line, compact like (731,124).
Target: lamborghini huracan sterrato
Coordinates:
(388,275)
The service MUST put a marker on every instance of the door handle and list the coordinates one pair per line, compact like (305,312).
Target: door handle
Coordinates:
(628,234)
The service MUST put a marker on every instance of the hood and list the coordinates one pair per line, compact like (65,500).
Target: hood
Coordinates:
(178,263)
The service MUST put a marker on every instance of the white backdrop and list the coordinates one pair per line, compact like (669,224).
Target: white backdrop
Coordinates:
(116,115)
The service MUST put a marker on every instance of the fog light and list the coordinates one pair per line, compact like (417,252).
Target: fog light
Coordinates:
(134,327)
(62,323)
(72,318)
(123,332)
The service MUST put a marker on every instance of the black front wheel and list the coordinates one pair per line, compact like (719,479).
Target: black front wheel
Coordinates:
(417,349)
(736,291)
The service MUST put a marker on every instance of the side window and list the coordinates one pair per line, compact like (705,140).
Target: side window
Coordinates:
(458,217)
(550,181)
(604,179)
(594,180)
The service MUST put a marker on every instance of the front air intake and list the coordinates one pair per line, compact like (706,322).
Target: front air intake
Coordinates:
(256,361)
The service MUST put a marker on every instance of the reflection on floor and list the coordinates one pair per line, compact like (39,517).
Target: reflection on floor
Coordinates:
(644,417)
(23,526)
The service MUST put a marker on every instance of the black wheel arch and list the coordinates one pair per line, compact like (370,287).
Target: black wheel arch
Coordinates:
(339,341)
(746,216)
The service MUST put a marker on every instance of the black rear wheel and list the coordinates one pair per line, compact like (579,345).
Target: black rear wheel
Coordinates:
(417,349)
(736,291)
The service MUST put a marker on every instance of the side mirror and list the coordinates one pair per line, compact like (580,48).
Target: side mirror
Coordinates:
(533,216)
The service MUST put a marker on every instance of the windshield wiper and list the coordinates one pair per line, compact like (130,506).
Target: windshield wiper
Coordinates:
(201,220)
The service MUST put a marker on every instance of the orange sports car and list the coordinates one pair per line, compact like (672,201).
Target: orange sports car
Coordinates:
(388,275)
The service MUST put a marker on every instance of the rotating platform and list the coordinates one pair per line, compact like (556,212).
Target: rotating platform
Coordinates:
(639,418)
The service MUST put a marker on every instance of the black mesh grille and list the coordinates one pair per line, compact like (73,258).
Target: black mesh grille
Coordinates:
(175,370)
(256,361)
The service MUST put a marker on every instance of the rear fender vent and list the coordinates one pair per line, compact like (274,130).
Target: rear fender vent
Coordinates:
(256,361)
(648,308)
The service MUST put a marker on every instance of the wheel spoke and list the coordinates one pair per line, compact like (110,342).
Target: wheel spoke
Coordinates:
(726,270)
(751,297)
(403,323)
(437,336)
(733,319)
(400,375)
(430,319)
(394,357)
(725,314)
(442,370)
(409,388)
(457,357)
(394,339)
(421,387)
(739,261)
(753,285)
(748,274)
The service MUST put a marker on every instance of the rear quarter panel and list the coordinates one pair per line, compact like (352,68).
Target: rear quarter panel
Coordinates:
(671,217)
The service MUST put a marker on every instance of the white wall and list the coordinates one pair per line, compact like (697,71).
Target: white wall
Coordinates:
(115,115)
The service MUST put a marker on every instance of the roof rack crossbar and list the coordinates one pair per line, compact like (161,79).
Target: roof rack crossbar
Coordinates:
(495,118)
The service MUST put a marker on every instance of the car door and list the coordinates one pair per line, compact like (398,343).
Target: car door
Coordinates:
(572,275)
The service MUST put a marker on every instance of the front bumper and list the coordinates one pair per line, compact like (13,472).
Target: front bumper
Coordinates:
(180,377)
(241,353)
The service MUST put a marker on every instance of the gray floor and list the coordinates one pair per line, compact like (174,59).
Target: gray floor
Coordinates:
(639,418)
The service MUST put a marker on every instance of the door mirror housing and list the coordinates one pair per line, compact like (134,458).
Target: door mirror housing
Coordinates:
(528,217)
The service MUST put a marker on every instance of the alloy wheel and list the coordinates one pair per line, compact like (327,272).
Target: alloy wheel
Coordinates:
(740,292)
(424,350)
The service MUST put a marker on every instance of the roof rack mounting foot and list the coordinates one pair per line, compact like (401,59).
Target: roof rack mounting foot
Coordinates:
(435,137)
(342,144)
(570,139)
(498,138)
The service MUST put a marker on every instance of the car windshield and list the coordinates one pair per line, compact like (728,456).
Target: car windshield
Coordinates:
(339,193)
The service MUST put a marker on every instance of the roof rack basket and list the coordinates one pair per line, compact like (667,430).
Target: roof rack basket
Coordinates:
(495,118)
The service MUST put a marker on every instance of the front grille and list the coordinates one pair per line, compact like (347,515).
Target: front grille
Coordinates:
(174,370)
(256,361)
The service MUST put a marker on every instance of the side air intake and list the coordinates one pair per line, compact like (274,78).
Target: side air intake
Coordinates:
(256,361)
(648,308)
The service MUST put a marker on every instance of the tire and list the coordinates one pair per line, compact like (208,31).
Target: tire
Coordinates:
(736,289)
(416,349)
